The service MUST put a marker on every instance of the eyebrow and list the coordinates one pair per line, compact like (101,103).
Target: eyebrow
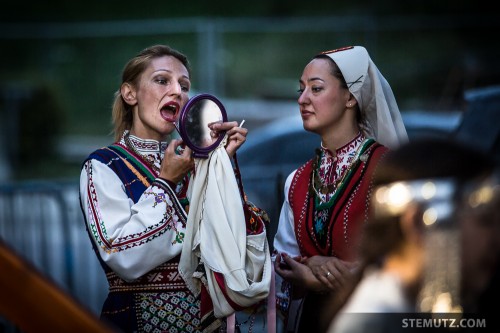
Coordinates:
(169,71)
(313,79)
(162,70)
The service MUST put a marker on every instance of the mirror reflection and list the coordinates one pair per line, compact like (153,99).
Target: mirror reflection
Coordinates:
(200,115)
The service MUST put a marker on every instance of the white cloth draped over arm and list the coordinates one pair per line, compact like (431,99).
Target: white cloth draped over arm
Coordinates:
(132,238)
(216,236)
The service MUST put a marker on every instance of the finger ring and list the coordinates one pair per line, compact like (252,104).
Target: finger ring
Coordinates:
(328,274)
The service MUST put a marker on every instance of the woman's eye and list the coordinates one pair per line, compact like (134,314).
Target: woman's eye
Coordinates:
(316,89)
(300,91)
(185,88)
(161,81)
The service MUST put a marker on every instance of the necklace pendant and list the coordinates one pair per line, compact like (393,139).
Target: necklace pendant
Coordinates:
(325,190)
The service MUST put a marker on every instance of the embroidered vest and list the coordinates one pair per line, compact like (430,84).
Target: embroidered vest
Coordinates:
(136,177)
(346,215)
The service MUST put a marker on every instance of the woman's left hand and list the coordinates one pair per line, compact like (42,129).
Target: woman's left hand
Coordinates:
(333,272)
(236,135)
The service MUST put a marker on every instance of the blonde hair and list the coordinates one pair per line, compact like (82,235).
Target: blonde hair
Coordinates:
(122,112)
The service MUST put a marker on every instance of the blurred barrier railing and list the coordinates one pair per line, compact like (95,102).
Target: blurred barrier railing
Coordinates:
(43,223)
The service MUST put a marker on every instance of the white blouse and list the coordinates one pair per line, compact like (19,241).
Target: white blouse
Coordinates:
(132,238)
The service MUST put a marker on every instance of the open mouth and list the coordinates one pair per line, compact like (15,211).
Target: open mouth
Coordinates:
(170,111)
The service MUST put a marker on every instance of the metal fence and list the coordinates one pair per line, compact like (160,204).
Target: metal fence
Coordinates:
(43,223)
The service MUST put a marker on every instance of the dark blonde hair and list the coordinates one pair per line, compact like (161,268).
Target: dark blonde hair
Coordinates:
(121,111)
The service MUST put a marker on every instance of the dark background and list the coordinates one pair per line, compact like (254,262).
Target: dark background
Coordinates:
(61,60)
(61,63)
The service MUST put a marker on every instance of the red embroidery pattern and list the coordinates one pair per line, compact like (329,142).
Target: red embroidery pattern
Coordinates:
(98,229)
(165,277)
(338,50)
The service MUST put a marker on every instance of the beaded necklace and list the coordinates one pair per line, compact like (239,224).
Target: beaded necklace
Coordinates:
(149,160)
(323,206)
(319,188)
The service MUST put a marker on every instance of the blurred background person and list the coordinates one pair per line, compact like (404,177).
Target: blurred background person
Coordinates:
(433,244)
(346,101)
(479,217)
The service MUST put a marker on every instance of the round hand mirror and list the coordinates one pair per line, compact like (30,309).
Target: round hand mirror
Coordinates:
(200,111)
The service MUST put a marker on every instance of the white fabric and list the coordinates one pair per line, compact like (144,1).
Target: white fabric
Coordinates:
(373,94)
(216,236)
(285,240)
(107,206)
(378,292)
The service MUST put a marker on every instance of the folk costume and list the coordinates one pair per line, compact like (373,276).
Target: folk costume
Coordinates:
(327,199)
(137,223)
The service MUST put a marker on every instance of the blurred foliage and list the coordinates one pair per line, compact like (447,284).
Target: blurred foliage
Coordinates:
(429,51)
(42,117)
(95,10)
(32,127)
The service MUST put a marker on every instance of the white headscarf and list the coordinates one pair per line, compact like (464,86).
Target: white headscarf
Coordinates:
(373,94)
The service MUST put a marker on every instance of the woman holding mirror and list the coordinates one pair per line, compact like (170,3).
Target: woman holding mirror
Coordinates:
(134,200)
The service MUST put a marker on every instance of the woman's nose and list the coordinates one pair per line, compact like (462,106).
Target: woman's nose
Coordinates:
(302,97)
(176,89)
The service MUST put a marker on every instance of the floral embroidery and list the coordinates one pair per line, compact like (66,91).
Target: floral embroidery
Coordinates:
(159,197)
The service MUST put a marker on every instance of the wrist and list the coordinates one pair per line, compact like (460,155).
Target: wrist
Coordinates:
(169,182)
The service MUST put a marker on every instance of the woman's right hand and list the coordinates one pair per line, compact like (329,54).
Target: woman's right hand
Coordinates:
(297,273)
(174,165)
(236,135)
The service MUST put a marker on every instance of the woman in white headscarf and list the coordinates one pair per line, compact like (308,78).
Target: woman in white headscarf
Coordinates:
(349,104)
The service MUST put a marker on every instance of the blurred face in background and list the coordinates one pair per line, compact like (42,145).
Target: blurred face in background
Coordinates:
(480,247)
